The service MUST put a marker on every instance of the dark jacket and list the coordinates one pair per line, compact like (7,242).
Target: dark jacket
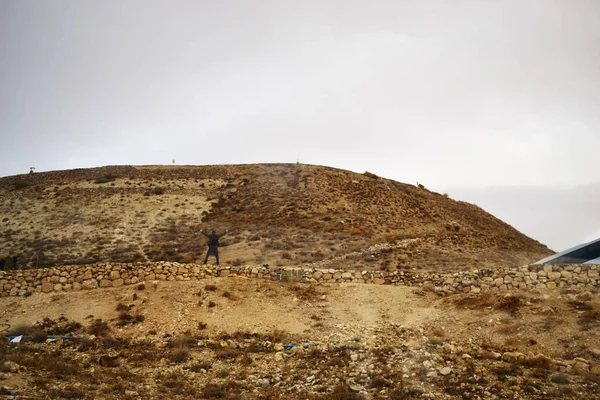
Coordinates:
(213,239)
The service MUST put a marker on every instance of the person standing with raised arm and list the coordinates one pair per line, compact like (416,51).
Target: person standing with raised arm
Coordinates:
(213,244)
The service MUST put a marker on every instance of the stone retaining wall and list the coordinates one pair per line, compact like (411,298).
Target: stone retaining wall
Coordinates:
(83,277)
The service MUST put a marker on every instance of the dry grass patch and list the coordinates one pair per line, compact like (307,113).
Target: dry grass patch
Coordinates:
(98,328)
(305,291)
(510,302)
(179,355)
(589,319)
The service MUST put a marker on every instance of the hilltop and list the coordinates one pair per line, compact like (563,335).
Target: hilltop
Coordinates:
(277,214)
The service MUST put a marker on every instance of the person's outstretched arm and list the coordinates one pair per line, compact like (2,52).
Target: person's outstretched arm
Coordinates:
(204,233)
(226,232)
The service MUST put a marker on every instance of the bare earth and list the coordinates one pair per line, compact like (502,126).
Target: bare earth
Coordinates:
(363,341)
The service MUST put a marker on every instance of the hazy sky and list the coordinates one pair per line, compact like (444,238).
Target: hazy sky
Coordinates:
(453,93)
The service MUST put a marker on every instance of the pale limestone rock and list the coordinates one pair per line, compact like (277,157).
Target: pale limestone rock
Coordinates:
(554,275)
(47,287)
(105,283)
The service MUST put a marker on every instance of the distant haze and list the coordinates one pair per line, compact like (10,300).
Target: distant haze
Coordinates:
(559,217)
(473,94)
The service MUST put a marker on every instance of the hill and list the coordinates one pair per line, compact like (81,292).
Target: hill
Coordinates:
(278,214)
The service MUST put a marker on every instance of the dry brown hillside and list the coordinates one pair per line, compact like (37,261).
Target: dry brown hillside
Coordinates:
(279,214)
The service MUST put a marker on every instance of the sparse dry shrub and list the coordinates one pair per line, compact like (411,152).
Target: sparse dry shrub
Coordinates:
(552,322)
(21,185)
(84,344)
(214,391)
(245,359)
(110,342)
(370,175)
(202,326)
(55,364)
(402,393)
(104,179)
(355,231)
(539,362)
(581,305)
(506,370)
(21,329)
(122,307)
(125,318)
(508,329)
(237,262)
(182,341)
(38,336)
(304,291)
(68,392)
(211,304)
(343,392)
(436,331)
(210,288)
(179,355)
(589,319)
(560,378)
(222,373)
(435,342)
(378,382)
(276,336)
(227,354)
(476,301)
(511,303)
(141,286)
(592,379)
(98,328)
(176,383)
(198,366)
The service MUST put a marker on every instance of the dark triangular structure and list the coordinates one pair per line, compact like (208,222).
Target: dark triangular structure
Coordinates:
(587,253)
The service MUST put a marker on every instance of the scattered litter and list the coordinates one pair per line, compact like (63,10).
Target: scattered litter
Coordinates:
(109,361)
(290,346)
(16,339)
(51,338)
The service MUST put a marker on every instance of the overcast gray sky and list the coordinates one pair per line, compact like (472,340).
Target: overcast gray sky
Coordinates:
(460,93)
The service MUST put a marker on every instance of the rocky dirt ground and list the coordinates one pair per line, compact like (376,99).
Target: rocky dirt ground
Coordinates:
(280,214)
(235,338)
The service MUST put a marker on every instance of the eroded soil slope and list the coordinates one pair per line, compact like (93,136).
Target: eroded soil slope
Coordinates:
(281,214)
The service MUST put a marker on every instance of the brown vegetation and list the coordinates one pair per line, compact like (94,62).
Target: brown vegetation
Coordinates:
(278,214)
